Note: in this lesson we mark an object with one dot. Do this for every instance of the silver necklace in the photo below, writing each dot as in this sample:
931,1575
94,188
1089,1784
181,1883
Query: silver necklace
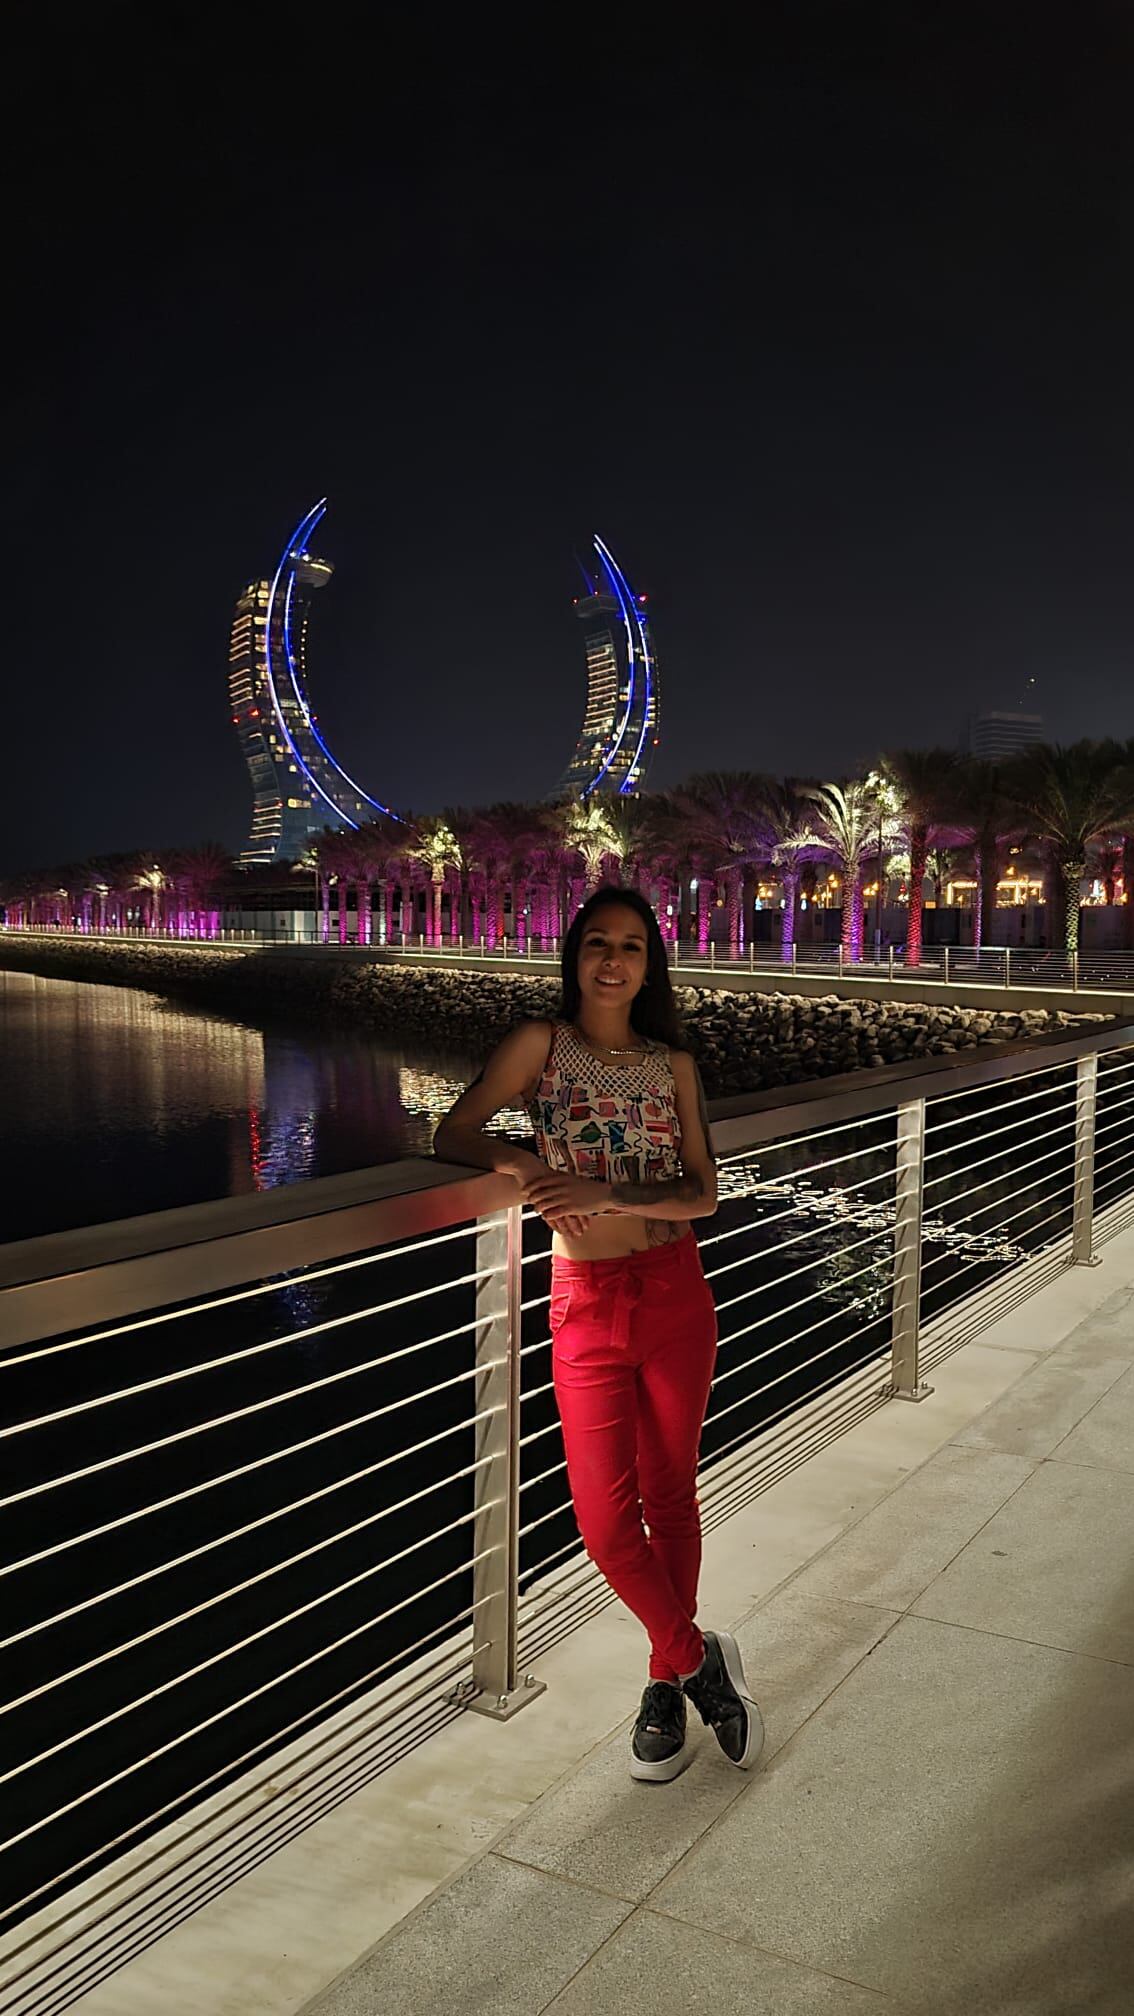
635,1050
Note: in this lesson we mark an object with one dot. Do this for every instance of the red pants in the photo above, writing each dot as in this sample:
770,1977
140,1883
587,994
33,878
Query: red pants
634,1342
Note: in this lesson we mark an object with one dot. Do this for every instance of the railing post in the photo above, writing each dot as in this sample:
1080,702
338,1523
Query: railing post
794,956
712,952
840,958
906,1321
1083,1213
1075,971
752,955
890,961
946,965
496,1527
1007,966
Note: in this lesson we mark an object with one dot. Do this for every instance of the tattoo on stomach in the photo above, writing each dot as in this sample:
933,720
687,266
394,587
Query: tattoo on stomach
662,1231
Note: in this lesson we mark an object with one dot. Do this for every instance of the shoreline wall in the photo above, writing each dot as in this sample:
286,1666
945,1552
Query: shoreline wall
743,1041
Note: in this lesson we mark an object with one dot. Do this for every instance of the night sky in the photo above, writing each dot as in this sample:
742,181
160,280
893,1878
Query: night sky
830,336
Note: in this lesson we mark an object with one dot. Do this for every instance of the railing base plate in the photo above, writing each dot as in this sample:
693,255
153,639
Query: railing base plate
502,1707
920,1392
1095,1260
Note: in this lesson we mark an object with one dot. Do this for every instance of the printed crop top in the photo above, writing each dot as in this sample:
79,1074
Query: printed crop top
615,1122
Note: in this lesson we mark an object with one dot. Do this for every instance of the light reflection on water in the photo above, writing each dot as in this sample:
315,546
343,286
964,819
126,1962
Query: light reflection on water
117,1102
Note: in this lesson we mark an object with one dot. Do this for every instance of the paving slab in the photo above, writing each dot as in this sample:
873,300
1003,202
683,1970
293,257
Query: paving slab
1043,1407
1054,1566
500,1941
660,1968
1105,1333
602,1827
1104,1438
952,1828
897,1550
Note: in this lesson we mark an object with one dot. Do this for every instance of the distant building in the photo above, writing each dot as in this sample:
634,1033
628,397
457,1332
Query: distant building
995,737
620,720
298,788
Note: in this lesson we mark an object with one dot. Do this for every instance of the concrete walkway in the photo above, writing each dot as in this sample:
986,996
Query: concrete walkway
943,1819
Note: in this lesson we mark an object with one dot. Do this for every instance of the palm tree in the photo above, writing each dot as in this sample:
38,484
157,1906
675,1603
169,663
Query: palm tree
1070,798
721,814
923,780
791,843
334,855
588,828
985,818
846,819
438,849
199,874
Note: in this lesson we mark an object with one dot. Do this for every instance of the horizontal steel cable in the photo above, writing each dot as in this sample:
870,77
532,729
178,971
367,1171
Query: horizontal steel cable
990,1260
774,1314
222,1596
242,1414
272,1742
1107,1176
556,1512
718,1476
975,1121
1108,1125
795,1273
245,1470
537,1432
529,1483
771,1351
761,1355
240,1533
275,1286
792,1209
269,1344
821,1222
229,1708
997,1084
1018,1190
1009,1172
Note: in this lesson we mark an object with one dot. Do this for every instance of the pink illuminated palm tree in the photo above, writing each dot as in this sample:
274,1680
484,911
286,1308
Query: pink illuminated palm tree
791,842
846,820
721,811
925,783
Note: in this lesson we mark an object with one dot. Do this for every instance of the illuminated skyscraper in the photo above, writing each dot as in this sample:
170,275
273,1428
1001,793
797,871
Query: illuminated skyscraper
298,788
620,721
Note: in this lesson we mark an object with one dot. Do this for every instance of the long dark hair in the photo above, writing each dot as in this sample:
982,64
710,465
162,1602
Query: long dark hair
653,1011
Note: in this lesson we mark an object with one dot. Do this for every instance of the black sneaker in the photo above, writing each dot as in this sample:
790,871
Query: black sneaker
719,1692
657,1751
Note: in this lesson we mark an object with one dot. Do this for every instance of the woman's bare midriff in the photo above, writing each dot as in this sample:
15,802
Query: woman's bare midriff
612,1238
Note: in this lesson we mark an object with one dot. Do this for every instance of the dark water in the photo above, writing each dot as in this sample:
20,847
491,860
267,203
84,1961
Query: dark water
202,1568
117,1102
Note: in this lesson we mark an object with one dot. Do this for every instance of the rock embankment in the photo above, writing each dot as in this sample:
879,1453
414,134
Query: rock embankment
744,1042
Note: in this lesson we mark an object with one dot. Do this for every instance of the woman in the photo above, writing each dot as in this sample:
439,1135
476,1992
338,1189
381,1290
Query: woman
623,1167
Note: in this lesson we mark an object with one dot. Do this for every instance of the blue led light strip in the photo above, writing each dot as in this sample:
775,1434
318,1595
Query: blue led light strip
614,576
297,683
289,559
640,623
295,543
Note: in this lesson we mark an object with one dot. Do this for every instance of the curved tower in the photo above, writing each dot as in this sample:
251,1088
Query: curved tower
620,722
298,787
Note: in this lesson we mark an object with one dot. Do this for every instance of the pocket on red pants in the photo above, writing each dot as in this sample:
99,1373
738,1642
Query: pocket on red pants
563,1294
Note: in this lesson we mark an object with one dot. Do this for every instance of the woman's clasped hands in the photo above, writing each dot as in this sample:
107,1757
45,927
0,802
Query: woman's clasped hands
564,1200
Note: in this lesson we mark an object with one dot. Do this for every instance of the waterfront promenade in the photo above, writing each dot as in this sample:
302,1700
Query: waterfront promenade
937,1612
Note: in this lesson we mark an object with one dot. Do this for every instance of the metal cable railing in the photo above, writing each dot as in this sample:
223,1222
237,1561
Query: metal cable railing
290,1522
1002,967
